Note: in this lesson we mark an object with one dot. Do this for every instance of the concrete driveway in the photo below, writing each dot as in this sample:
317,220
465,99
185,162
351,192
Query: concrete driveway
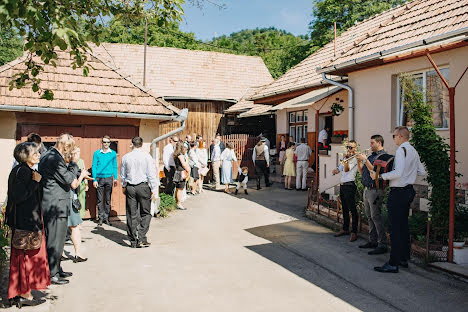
244,253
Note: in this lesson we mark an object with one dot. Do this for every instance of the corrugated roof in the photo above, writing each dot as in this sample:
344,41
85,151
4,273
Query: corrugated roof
105,89
421,20
185,73
413,21
308,98
256,110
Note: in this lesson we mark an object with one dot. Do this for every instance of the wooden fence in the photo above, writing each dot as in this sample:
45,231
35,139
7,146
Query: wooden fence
243,145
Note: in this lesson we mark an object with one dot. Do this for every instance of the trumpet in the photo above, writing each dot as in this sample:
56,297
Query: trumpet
346,160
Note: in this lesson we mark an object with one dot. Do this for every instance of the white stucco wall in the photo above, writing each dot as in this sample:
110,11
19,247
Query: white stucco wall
149,130
374,98
7,145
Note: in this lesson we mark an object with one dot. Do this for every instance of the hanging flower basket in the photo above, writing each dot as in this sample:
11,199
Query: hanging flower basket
336,109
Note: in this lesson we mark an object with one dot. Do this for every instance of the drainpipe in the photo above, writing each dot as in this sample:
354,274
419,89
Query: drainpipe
182,117
350,104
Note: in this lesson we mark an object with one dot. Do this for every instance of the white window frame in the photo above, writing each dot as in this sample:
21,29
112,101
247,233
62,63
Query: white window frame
292,130
291,118
423,73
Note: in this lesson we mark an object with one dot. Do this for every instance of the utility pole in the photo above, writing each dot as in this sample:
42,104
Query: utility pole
144,52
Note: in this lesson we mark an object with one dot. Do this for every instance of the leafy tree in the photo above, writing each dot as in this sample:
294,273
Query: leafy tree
11,45
345,13
69,25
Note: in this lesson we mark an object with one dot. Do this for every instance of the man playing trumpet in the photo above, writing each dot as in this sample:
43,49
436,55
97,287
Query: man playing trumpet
348,188
373,198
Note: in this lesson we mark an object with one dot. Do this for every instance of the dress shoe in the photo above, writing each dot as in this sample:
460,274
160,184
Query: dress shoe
341,233
236,191
65,274
404,263
107,222
21,301
99,223
57,280
298,189
245,192
368,245
387,268
259,188
144,244
63,258
79,259
353,237
378,251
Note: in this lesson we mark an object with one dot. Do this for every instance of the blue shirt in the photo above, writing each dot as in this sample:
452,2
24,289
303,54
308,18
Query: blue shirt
104,164
365,177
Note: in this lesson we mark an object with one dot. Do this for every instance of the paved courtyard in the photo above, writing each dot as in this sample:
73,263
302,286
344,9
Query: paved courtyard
244,253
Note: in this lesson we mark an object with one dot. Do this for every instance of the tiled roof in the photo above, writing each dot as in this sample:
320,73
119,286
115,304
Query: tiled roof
104,89
308,98
185,73
256,110
421,20
404,24
240,106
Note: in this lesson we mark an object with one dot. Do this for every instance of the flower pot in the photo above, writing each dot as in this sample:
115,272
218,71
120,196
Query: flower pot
458,245
336,140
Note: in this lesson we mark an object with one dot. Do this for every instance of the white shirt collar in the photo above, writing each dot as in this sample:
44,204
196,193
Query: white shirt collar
108,151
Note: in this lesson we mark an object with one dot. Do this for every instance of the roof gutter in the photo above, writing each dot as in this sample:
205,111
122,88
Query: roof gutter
181,98
454,35
66,111
350,104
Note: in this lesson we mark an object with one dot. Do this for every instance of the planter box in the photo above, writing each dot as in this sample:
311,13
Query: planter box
336,140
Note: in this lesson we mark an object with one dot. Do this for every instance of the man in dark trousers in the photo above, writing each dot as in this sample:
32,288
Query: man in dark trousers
139,184
169,165
57,175
261,159
407,166
105,175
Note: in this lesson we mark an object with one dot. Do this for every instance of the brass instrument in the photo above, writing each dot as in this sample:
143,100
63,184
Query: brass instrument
346,160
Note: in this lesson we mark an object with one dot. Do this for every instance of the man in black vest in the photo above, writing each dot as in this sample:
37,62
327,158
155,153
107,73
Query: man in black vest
261,159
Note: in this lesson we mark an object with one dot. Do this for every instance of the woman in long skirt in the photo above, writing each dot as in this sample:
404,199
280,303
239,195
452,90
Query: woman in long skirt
227,157
29,269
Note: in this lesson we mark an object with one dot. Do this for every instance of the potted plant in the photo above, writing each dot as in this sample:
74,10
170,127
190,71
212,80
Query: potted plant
338,137
336,108
459,240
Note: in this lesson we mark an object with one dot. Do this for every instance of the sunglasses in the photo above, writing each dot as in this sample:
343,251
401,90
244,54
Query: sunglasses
105,142
393,136
175,141
349,147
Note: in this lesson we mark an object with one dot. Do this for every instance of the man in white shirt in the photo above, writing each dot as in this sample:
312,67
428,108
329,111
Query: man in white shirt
348,192
323,137
140,185
303,153
261,159
216,162
407,166
169,165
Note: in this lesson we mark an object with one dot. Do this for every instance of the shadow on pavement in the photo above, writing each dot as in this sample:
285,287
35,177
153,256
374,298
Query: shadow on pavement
112,235
345,271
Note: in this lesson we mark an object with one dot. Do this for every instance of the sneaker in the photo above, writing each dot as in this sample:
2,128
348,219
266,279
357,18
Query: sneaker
341,233
145,244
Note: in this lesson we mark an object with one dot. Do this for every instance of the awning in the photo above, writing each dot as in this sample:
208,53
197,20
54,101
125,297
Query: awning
308,98
257,110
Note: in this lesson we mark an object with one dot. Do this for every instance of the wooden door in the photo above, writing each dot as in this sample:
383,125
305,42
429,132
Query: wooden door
88,138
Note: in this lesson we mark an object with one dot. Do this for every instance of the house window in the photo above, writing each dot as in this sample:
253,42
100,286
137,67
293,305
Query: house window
436,94
298,125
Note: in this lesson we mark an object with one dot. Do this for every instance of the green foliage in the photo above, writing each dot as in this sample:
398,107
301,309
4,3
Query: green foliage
11,45
278,49
345,13
167,204
434,153
69,25
418,225
3,235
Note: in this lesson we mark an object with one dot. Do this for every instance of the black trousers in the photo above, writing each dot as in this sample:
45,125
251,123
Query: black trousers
398,205
104,192
137,226
262,169
348,202
169,180
55,232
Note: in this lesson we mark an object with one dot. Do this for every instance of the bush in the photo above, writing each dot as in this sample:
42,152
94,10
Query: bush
3,236
167,204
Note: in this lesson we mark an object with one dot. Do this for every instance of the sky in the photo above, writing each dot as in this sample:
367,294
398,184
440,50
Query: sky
211,21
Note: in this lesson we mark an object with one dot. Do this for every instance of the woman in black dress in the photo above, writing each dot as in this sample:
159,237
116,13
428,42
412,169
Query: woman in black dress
182,172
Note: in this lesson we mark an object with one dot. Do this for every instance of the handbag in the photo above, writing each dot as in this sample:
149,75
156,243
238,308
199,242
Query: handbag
180,176
25,239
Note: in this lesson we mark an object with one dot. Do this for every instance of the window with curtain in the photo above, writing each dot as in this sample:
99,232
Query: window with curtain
298,125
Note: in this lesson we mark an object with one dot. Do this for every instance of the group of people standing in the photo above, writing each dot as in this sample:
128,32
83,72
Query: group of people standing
401,176
294,161
46,199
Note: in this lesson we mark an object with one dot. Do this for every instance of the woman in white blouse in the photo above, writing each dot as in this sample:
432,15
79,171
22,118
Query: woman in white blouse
227,157
202,154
